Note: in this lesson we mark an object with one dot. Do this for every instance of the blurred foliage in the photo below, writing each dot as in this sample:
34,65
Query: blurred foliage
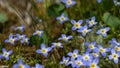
3,18
111,20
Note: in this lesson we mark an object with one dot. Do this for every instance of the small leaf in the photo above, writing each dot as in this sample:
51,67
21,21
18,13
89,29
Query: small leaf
111,20
3,18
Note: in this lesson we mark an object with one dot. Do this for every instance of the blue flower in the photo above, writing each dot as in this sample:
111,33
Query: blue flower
6,53
95,55
94,63
114,42
65,38
79,62
102,50
20,37
65,60
76,25
39,66
57,45
87,57
25,40
11,39
114,56
62,18
84,30
74,54
21,28
103,31
43,50
91,22
39,1
69,3
91,46
99,1
38,32
20,64
71,62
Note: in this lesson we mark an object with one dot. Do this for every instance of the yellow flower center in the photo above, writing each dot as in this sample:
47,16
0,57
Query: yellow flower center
64,38
91,46
79,62
19,28
62,18
25,40
86,58
5,54
57,44
44,50
21,66
93,66
65,61
115,56
102,50
77,25
95,55
20,37
117,48
85,30
11,40
102,31
38,32
68,2
74,55
91,22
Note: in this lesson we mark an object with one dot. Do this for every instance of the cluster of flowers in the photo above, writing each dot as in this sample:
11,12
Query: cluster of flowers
77,25
23,39
92,55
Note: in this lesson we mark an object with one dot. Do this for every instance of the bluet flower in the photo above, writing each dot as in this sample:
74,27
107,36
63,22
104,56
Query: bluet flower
21,28
87,58
38,32
57,45
94,63
6,53
25,40
39,66
69,3
20,37
20,64
11,39
74,54
84,30
114,55
62,18
102,50
103,31
44,51
72,62
65,60
91,46
65,38
79,62
91,22
39,1
76,25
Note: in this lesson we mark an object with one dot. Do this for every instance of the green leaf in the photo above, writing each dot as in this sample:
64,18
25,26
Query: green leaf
111,20
59,7
3,18
55,9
